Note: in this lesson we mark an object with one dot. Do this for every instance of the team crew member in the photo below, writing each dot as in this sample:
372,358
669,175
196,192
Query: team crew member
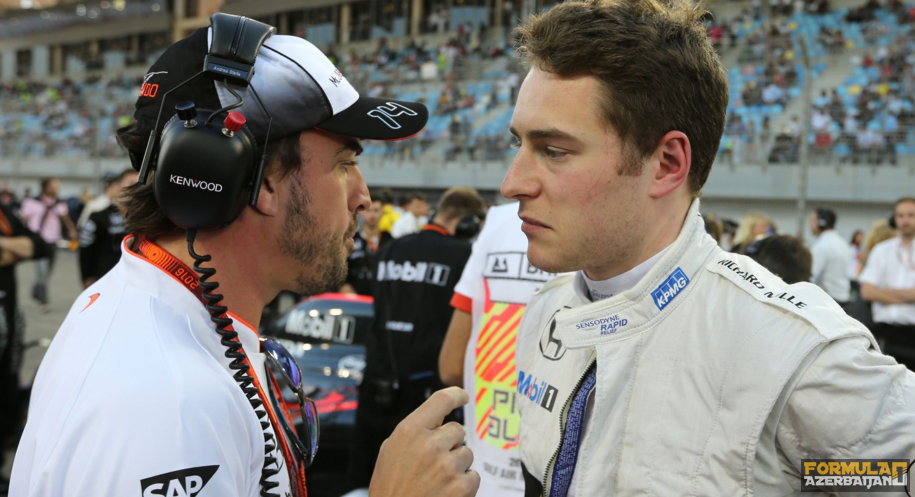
831,257
135,395
367,242
414,282
17,243
888,281
664,365
100,236
45,215
414,217
479,349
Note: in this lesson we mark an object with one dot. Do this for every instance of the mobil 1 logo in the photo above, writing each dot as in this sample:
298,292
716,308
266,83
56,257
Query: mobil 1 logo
182,483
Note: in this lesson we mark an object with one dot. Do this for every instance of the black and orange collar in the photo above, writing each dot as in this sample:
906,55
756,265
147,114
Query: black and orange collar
165,261
436,228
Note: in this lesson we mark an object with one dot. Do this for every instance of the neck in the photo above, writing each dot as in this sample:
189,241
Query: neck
907,240
240,276
662,230
449,225
370,231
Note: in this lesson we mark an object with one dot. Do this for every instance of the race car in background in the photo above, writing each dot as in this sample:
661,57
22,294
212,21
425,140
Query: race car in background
326,335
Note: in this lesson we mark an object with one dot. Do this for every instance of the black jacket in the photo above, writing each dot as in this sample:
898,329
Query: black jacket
100,242
415,278
361,274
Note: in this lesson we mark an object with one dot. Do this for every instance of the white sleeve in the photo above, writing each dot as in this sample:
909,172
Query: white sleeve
873,272
156,447
851,402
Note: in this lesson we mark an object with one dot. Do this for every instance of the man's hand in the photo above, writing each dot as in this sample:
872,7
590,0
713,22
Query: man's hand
424,458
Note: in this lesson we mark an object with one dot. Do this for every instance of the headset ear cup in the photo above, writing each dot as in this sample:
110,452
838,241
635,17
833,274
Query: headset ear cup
203,176
468,227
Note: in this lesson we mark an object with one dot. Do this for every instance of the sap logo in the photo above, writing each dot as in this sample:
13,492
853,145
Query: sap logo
184,483
388,112
538,392
149,90
421,272
670,288
195,183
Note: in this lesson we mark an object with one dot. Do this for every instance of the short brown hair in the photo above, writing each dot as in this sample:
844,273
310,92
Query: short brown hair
142,215
657,70
460,202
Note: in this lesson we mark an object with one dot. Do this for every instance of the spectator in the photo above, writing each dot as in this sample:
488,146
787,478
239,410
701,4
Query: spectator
831,257
773,94
17,243
368,241
888,280
45,215
101,235
755,224
390,213
414,285
784,255
415,216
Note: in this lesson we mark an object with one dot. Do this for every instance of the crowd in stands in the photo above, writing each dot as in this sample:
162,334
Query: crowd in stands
469,83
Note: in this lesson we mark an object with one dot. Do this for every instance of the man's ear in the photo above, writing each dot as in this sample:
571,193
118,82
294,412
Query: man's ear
671,165
268,203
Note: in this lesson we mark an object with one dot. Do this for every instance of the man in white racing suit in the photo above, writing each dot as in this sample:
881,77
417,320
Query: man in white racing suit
665,366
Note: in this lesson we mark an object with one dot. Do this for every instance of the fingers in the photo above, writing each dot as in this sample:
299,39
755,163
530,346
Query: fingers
464,457
470,483
449,436
435,408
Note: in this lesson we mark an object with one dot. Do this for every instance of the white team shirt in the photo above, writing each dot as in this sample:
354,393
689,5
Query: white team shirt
500,281
134,398
891,265
831,257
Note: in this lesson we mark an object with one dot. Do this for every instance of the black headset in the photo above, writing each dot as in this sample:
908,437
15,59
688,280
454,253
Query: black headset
205,163
469,226
206,170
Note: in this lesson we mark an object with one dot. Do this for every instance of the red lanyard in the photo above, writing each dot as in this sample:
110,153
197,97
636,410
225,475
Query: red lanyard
178,270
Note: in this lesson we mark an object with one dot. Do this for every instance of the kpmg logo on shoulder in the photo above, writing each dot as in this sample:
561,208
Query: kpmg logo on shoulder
670,288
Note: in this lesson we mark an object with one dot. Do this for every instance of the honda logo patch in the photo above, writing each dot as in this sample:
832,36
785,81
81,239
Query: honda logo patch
183,483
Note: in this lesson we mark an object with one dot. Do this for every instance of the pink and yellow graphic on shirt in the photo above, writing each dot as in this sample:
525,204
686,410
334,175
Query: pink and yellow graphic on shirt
496,382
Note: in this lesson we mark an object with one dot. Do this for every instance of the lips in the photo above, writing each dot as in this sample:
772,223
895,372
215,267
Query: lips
533,222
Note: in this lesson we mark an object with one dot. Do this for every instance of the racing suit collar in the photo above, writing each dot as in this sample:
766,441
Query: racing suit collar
638,309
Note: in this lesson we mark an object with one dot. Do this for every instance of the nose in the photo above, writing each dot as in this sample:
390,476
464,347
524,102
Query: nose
521,180
360,199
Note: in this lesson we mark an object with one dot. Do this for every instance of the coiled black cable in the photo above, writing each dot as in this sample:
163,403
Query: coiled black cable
229,339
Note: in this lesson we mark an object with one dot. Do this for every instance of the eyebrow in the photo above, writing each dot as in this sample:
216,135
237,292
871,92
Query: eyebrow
351,145
546,134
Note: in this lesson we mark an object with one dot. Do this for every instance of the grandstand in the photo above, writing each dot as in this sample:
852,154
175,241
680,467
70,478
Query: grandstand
839,75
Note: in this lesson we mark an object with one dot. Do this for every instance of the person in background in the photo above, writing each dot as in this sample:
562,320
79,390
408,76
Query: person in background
479,349
857,257
101,234
45,215
367,242
784,255
389,212
414,283
831,257
110,181
755,224
888,281
415,216
17,244
713,227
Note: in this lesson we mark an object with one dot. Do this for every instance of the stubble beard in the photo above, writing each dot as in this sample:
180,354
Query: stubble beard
322,254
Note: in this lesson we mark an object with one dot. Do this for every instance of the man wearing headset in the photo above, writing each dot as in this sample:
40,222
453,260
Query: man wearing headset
136,395
831,257
665,366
